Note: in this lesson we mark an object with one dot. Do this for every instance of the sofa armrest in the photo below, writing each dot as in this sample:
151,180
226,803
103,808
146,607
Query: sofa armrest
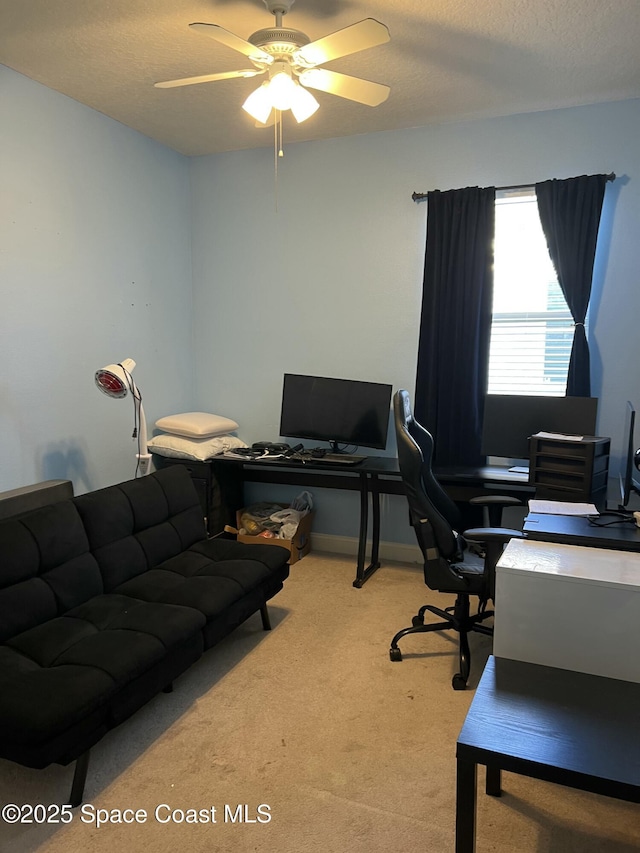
18,501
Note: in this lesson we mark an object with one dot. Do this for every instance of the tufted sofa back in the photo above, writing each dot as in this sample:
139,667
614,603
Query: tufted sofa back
135,526
55,558
46,567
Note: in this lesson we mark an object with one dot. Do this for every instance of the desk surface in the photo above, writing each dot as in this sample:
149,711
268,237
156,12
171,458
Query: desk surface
567,727
577,530
483,474
388,465
369,465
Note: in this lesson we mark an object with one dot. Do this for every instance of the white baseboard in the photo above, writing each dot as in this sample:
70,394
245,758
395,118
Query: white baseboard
395,551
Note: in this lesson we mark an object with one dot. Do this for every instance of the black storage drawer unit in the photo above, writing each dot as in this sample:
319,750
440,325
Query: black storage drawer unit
569,469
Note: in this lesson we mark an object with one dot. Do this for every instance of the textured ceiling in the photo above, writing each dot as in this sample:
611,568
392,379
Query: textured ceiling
447,60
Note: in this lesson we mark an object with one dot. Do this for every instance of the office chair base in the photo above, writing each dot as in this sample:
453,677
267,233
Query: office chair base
455,618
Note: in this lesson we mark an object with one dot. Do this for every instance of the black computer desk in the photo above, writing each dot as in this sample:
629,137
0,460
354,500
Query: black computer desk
577,530
375,476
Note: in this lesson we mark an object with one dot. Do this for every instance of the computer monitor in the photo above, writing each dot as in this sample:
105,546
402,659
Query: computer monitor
627,482
340,411
510,420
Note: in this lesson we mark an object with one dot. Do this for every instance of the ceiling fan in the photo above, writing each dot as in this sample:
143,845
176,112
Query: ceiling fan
292,63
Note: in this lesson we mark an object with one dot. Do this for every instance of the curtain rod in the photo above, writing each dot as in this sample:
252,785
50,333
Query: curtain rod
419,196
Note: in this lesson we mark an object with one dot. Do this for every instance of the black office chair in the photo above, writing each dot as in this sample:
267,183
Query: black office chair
450,566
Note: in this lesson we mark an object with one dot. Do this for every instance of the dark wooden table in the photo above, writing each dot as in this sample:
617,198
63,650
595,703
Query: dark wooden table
566,727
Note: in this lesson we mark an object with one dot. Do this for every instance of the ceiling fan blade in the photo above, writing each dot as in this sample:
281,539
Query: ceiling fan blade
233,41
364,34
345,86
207,78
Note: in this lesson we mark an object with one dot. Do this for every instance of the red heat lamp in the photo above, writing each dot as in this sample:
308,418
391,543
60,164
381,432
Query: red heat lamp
115,381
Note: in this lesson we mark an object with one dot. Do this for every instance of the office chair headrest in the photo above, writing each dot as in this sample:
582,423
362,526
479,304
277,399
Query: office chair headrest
426,497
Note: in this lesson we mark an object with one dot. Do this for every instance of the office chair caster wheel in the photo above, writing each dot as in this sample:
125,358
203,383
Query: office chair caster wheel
395,654
459,682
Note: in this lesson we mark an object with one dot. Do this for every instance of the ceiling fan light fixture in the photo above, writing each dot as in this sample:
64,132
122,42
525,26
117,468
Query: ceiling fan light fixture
281,87
303,104
281,93
258,104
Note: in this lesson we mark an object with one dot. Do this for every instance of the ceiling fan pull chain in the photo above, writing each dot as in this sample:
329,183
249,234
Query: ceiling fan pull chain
275,161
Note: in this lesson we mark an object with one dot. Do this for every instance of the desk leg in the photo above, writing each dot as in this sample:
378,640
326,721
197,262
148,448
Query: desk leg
493,785
375,534
364,524
466,785
368,484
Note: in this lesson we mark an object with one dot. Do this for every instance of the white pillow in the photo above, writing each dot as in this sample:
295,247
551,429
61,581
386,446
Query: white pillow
196,424
198,449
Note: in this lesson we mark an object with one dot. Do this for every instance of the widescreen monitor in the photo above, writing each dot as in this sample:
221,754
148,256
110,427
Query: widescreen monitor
340,411
510,420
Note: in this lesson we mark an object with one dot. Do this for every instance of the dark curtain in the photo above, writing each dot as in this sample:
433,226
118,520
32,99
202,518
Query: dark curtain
455,324
570,214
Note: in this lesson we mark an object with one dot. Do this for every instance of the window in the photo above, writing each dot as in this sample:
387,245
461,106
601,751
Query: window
532,327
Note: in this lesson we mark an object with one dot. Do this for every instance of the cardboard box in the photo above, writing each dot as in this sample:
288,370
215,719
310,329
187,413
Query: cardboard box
298,547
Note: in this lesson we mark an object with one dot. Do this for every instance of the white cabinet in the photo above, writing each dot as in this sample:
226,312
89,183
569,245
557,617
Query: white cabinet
570,607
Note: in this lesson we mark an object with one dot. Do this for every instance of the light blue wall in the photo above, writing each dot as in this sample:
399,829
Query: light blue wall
330,281
95,267
320,274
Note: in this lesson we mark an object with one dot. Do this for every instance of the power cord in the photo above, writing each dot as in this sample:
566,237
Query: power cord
135,393
620,517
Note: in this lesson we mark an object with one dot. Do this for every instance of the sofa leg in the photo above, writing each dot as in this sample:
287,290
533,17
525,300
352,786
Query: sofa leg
79,778
266,622
168,688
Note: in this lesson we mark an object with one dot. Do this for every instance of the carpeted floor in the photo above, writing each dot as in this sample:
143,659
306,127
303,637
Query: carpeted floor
324,744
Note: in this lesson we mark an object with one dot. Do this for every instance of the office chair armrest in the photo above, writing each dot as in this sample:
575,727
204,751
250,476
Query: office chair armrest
492,534
492,540
492,506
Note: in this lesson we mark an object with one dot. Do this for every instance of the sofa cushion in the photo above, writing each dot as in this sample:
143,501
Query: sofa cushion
272,556
211,576
46,567
55,674
37,703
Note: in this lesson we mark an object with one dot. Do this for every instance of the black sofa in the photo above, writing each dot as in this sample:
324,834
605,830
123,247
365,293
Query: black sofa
105,599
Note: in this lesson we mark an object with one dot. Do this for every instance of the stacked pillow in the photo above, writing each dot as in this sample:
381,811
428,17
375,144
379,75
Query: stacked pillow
194,435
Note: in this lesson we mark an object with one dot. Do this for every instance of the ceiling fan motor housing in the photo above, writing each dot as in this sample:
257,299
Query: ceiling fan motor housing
278,40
